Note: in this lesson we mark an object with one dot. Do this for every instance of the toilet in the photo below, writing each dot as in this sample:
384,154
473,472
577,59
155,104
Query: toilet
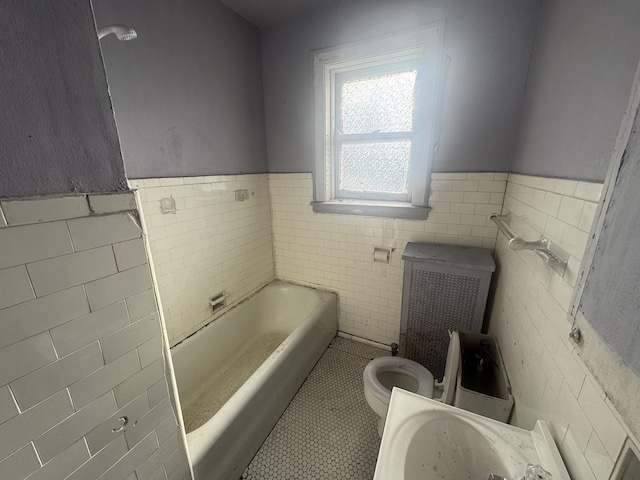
383,373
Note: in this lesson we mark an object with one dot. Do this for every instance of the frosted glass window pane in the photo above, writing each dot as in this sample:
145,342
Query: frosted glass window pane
381,167
383,103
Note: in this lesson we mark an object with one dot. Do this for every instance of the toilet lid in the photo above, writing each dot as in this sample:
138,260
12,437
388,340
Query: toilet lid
451,369
396,364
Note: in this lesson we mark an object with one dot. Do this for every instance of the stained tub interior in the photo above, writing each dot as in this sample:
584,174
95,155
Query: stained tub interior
224,381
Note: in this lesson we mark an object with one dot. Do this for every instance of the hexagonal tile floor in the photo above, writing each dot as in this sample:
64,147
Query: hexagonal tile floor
328,432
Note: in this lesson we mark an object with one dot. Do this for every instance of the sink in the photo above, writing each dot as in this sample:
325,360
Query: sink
428,440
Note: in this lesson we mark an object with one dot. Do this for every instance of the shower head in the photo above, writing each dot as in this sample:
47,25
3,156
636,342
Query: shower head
121,31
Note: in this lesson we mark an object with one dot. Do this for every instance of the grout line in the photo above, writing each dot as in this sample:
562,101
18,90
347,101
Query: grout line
15,401
73,404
353,354
33,445
55,350
363,341
33,290
89,206
73,247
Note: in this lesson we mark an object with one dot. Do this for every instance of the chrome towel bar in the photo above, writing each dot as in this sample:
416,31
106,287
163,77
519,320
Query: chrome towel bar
550,253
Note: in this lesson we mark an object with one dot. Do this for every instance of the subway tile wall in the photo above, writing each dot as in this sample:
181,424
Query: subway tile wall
529,318
210,243
81,345
336,251
213,242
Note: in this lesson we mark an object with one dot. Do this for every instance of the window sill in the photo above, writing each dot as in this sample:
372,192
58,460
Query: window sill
372,209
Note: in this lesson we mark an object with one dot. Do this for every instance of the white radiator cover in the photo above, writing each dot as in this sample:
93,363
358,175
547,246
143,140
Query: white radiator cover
445,289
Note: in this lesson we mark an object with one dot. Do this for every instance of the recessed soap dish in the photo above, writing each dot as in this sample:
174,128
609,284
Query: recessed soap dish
628,464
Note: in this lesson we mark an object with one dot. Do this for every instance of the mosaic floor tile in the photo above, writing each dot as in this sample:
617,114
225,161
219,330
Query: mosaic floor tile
328,432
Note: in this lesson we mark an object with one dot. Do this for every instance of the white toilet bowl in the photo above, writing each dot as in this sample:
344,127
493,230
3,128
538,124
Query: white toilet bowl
383,373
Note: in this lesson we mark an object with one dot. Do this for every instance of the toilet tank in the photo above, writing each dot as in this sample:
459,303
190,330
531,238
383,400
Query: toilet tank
445,289
482,389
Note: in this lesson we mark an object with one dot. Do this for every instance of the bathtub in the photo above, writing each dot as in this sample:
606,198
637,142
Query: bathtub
237,375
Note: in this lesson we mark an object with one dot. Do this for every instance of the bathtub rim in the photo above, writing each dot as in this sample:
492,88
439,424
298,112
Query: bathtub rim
250,295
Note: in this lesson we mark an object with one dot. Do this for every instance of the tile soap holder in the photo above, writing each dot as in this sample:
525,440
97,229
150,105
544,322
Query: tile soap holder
167,205
244,194
218,301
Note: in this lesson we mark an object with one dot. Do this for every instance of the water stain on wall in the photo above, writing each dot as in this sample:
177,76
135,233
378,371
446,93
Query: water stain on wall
174,143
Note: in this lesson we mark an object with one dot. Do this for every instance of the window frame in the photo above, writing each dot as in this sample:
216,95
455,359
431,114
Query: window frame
423,47
339,138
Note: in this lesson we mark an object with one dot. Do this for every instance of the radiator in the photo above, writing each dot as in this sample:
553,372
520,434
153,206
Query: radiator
445,289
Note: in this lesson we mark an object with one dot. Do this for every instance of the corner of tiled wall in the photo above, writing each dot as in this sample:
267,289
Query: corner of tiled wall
336,251
81,345
211,242
530,319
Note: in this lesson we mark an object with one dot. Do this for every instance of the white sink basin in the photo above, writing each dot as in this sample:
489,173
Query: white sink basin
428,440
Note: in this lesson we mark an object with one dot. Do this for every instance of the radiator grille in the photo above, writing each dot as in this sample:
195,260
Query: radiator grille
438,302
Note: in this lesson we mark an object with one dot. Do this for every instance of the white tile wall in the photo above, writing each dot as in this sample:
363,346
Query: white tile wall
44,382
529,318
21,463
130,254
60,273
117,202
29,318
101,435
15,287
336,251
101,461
80,334
107,290
211,243
92,232
34,242
8,408
44,209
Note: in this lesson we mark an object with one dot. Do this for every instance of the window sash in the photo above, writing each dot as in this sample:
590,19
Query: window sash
370,72
365,139
338,139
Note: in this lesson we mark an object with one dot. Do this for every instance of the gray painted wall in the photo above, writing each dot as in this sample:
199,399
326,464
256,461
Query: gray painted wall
585,58
57,131
611,298
188,91
489,45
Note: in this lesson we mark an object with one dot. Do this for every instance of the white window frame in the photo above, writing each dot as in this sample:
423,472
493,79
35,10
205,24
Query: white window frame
424,46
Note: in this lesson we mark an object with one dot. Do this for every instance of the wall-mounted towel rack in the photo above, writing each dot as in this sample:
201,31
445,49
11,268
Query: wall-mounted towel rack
550,253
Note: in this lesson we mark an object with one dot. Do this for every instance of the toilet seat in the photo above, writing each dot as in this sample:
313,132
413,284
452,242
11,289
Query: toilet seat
378,395
423,377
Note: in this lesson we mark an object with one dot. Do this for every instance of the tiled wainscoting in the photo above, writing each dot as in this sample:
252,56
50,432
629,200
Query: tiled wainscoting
336,251
529,318
210,243
213,242
81,345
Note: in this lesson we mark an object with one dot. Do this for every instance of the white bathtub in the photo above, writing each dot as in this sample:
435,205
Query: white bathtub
225,360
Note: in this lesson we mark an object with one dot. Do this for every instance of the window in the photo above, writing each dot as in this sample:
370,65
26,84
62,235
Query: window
375,122
373,133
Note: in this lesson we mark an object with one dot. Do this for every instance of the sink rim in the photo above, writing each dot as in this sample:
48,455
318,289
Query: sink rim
408,413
